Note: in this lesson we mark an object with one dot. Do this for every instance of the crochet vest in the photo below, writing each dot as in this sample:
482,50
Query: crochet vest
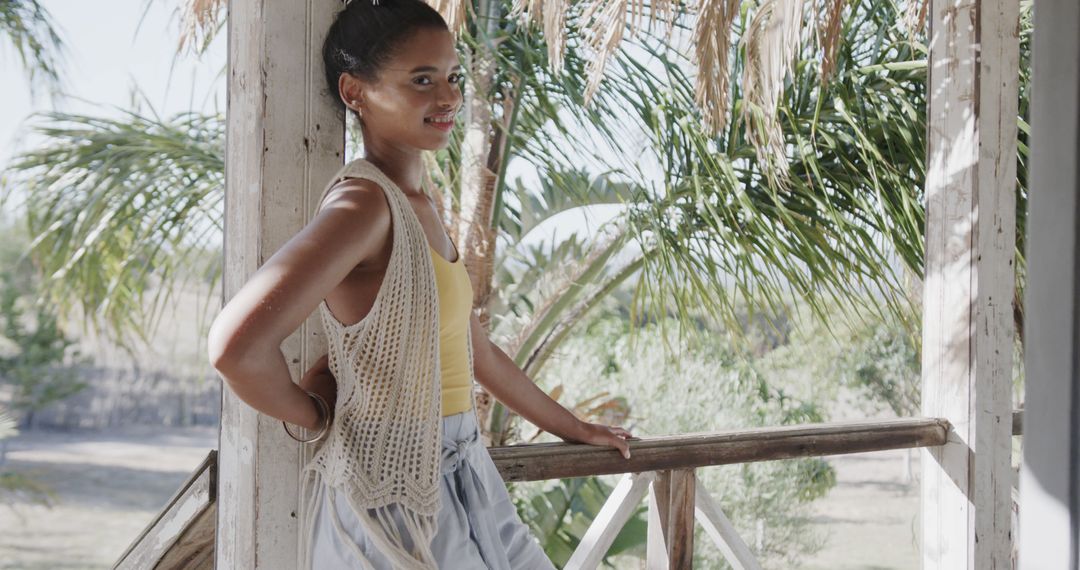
383,450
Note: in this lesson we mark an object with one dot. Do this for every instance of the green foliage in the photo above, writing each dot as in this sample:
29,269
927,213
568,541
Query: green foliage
119,208
36,357
876,359
715,386
29,28
560,511
883,362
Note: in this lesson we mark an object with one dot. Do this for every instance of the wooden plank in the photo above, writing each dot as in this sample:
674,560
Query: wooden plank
190,501
195,548
727,539
681,519
284,140
656,551
968,330
618,509
1050,473
541,461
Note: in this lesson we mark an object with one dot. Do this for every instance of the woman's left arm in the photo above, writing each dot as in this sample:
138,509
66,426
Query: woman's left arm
504,380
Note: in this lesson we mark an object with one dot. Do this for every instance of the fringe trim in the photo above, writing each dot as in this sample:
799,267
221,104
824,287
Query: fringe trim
381,528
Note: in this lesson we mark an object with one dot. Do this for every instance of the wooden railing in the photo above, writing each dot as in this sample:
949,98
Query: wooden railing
662,468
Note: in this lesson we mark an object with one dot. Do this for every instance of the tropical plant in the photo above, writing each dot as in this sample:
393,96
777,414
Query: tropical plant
714,231
815,201
811,191
835,227
119,208
560,511
37,359
29,27
713,386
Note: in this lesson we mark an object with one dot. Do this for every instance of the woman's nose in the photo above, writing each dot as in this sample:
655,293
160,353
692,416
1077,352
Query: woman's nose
450,96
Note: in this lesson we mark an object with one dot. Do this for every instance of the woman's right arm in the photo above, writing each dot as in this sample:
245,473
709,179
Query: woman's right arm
244,342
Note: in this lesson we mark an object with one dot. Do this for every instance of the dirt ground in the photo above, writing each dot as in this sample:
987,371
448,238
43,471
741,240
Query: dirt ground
110,484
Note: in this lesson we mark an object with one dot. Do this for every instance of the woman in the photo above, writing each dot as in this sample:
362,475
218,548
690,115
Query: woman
400,479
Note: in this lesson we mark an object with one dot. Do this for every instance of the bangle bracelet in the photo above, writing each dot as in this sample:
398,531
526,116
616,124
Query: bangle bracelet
324,414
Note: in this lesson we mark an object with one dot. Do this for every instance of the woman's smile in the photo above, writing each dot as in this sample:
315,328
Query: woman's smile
442,122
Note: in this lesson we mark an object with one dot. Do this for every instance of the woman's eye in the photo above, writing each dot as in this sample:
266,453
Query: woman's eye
460,78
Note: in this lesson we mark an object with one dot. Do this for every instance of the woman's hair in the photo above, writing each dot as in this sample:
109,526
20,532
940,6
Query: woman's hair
365,35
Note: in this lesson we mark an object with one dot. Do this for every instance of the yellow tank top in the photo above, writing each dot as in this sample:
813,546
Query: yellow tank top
455,307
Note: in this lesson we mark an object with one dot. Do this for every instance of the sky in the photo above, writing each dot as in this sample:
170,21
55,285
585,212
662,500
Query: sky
108,55
113,51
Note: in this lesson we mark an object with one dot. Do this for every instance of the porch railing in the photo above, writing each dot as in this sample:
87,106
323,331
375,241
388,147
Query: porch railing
662,468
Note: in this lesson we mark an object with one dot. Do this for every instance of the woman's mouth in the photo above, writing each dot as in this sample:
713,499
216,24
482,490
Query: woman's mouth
442,123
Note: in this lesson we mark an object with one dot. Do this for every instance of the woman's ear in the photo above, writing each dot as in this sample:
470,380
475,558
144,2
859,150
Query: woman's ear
350,89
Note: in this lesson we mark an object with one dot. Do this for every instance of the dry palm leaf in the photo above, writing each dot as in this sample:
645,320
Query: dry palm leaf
603,22
712,33
830,40
199,22
453,11
550,15
771,42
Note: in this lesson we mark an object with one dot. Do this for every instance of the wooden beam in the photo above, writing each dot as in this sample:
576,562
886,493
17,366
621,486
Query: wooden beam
968,333
535,462
168,529
723,533
1050,473
195,548
656,550
680,534
618,509
284,140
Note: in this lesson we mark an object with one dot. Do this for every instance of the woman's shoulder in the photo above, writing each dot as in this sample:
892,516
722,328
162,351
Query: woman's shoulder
352,192
354,213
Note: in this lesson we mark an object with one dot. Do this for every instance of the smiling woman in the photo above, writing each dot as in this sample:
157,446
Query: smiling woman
400,478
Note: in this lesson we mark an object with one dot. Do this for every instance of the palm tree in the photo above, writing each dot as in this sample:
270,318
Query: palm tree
794,170
812,190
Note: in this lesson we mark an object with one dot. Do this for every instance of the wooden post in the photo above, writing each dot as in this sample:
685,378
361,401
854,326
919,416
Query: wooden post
968,330
656,549
1050,476
680,531
284,141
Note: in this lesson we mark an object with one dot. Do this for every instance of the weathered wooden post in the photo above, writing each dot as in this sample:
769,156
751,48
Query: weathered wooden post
1050,477
284,140
968,330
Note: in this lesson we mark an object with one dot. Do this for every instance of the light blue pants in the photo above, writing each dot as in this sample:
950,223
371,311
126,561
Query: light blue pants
478,526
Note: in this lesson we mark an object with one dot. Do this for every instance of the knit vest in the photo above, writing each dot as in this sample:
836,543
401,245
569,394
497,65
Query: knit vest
383,450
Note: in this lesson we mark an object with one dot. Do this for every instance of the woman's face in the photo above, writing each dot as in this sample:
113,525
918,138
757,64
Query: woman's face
421,81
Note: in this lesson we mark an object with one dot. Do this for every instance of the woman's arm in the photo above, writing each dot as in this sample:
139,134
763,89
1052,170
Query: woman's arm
504,380
320,380
244,343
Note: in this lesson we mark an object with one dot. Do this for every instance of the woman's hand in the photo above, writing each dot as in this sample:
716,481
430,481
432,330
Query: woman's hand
320,380
600,434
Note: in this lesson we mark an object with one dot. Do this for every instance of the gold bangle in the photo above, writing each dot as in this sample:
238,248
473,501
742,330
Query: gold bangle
324,413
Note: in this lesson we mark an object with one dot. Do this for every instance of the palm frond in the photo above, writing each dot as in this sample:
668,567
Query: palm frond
200,22
120,207
712,40
29,27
